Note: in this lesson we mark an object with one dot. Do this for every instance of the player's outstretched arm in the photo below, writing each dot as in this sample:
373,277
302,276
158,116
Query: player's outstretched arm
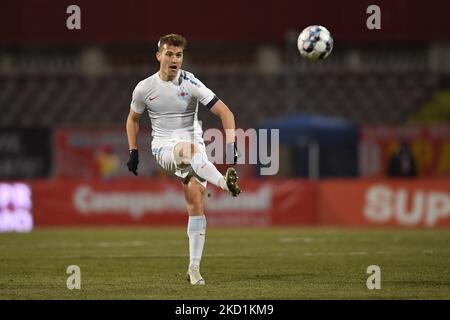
221,110
132,127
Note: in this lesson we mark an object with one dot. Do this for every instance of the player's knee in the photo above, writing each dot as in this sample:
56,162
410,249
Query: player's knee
184,152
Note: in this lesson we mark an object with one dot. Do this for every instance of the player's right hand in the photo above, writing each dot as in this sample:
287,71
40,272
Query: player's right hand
133,161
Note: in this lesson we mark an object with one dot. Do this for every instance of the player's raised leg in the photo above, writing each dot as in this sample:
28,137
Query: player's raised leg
194,194
187,153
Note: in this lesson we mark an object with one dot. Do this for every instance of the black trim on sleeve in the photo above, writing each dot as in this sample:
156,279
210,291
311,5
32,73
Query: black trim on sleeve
212,102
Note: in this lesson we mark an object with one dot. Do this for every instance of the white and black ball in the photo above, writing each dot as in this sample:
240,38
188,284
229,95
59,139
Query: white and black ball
315,43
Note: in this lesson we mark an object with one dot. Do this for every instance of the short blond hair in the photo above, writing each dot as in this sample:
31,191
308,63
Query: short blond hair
172,39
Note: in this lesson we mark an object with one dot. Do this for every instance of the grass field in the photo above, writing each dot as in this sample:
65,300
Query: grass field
238,264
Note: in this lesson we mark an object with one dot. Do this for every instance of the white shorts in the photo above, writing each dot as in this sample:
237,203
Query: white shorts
164,155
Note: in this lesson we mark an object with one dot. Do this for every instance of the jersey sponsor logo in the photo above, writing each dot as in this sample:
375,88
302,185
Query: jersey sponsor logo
152,98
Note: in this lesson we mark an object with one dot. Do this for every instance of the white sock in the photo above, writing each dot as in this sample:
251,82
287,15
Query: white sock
205,169
196,231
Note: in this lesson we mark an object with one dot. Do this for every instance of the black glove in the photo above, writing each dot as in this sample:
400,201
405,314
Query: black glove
133,162
232,153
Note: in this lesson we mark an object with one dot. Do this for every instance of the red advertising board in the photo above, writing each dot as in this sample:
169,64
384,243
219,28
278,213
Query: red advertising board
381,203
97,153
429,145
415,203
161,202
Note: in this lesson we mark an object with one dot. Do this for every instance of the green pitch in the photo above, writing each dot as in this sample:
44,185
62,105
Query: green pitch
237,264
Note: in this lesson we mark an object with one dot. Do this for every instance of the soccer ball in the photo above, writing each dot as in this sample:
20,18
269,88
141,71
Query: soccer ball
315,43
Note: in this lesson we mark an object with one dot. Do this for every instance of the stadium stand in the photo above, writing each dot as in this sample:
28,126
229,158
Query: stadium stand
380,87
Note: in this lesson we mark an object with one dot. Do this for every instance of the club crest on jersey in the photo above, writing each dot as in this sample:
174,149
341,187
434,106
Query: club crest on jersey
182,94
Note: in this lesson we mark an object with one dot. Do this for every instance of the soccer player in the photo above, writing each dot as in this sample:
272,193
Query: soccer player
171,97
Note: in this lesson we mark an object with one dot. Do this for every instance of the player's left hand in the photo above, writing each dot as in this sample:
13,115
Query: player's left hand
133,161
232,153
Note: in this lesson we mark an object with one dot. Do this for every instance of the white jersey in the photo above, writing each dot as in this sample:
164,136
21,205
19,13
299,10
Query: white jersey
172,105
